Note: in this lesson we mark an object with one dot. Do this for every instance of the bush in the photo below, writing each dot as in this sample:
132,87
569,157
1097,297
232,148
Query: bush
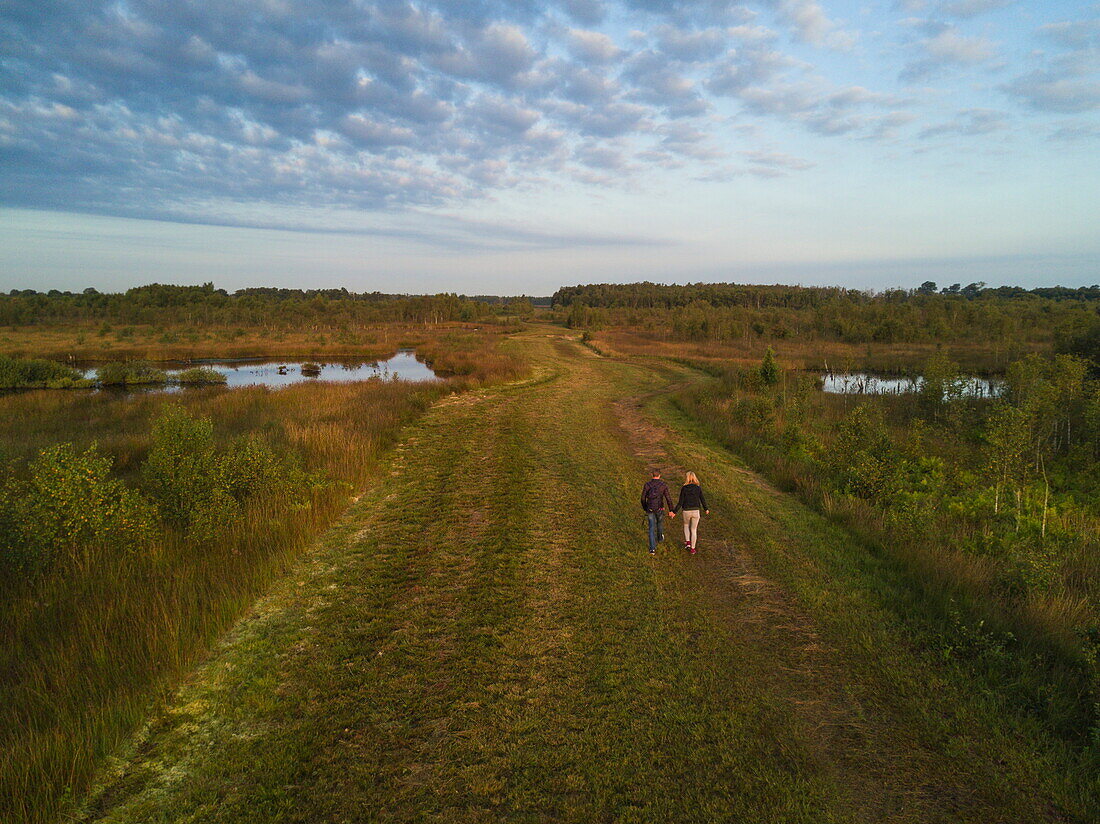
199,491
17,373
769,368
251,469
199,375
129,373
180,473
67,505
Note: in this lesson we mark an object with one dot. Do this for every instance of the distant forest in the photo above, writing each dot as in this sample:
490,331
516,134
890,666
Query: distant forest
159,304
1068,318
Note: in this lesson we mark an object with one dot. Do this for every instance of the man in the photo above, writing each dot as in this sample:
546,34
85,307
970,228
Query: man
655,502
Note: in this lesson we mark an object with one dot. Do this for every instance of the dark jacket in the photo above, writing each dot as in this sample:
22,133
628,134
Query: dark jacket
655,496
691,497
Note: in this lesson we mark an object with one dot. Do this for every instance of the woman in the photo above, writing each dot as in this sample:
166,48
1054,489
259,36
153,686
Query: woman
691,501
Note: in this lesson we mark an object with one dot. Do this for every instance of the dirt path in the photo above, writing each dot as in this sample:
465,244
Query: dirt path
484,638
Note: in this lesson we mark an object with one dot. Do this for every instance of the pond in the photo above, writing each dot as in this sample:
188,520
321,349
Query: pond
276,373
865,383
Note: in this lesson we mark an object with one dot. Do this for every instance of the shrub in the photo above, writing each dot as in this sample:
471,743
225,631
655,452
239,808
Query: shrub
180,473
17,373
769,368
129,373
199,491
251,469
199,375
66,505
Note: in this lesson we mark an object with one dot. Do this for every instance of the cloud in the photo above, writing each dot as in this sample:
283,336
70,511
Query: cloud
1066,82
393,104
968,122
1077,34
1058,89
690,45
812,25
777,160
973,8
593,46
947,48
1076,130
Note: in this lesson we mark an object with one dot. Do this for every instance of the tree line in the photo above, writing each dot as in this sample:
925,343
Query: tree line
264,306
1067,317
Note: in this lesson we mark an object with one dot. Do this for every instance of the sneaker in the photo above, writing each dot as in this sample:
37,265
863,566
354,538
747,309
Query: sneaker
652,552
687,545
693,550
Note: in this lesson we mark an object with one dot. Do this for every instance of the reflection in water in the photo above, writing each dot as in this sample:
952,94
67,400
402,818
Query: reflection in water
864,383
402,366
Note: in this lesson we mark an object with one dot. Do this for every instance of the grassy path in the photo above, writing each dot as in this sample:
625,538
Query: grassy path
485,639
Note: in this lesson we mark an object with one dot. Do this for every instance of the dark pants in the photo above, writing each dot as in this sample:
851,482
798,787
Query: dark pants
656,528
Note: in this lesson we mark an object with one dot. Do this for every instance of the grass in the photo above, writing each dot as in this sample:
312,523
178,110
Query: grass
483,638
88,653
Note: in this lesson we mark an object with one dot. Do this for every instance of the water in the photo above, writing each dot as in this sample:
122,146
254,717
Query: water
864,383
274,374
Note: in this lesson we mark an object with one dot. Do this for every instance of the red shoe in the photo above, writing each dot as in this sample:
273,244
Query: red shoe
692,550
687,545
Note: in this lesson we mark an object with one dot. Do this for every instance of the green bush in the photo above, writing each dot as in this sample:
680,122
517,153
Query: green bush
251,469
180,473
198,489
18,373
199,375
129,373
769,368
67,504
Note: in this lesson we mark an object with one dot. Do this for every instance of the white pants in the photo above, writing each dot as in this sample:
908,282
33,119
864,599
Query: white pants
691,525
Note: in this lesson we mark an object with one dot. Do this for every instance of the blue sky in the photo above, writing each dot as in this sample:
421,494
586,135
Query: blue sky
490,146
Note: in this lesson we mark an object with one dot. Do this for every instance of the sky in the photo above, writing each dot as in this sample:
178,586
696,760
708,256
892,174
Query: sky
493,147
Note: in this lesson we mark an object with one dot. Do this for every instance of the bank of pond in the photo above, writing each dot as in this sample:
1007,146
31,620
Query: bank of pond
19,373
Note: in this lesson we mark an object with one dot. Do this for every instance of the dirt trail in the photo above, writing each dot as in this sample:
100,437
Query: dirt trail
484,638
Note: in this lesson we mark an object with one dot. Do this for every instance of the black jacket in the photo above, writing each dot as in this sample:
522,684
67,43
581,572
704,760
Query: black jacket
655,496
691,497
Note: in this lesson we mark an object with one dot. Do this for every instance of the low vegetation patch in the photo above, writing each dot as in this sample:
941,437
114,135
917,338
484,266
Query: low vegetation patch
198,375
23,373
130,373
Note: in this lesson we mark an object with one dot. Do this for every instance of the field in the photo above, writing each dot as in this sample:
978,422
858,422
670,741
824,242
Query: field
481,635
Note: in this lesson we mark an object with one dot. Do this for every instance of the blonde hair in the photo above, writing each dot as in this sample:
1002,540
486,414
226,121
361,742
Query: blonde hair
691,478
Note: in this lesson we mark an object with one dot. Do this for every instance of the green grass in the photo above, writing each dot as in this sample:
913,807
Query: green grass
483,637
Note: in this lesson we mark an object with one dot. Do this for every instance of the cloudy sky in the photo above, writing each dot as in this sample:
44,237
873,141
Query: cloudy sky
494,146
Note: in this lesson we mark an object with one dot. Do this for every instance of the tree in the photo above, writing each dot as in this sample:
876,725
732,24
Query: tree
1008,439
927,288
769,368
941,386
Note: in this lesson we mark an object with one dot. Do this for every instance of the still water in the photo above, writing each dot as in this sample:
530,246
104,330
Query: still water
259,372
863,383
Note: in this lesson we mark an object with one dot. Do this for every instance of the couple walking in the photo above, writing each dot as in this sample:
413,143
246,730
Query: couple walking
655,496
